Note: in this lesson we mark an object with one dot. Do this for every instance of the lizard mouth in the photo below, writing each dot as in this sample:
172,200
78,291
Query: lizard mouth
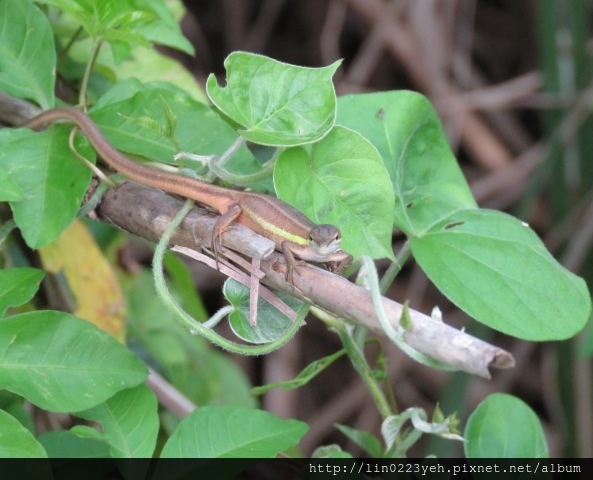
326,248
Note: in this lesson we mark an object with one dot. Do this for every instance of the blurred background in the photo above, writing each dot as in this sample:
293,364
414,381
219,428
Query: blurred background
511,81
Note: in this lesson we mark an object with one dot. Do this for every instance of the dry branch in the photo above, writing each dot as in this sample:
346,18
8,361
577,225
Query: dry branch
146,212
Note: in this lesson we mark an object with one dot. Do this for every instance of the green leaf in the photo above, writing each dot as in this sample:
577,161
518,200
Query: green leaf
17,286
137,22
365,440
14,405
122,39
181,278
504,427
276,103
331,451
155,66
164,28
218,431
304,377
86,431
126,89
84,13
127,22
9,190
129,421
150,323
496,269
66,444
198,129
27,53
426,178
97,17
342,181
271,323
16,441
52,179
49,355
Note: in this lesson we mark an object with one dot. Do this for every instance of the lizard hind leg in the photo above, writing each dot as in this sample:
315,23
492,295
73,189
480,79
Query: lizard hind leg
223,224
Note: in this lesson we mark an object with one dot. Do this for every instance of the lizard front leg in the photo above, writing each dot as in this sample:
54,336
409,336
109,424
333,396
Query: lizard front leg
335,261
338,262
223,224
288,250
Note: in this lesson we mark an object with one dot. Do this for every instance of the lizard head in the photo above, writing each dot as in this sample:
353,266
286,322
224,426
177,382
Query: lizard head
325,239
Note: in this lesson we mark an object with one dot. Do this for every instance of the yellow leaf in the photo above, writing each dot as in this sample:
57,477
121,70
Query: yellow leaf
90,278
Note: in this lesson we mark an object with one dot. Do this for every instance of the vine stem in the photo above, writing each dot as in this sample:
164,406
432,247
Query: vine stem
362,367
87,73
395,267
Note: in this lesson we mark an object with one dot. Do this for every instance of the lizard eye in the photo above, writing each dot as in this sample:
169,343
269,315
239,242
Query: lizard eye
333,234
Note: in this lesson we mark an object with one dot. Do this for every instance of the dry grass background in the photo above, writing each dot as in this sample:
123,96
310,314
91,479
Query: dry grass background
484,66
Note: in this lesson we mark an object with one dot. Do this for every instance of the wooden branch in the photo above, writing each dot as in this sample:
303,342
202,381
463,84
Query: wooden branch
146,212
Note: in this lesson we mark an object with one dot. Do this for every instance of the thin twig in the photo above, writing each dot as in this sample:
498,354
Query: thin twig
168,396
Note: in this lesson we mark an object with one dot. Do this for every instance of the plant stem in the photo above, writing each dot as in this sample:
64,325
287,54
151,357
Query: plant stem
359,361
87,73
395,267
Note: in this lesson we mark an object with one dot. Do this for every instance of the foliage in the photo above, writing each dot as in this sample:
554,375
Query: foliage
492,427
367,163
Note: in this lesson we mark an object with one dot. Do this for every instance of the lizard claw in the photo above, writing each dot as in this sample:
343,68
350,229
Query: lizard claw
216,245
223,223
339,265
290,267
